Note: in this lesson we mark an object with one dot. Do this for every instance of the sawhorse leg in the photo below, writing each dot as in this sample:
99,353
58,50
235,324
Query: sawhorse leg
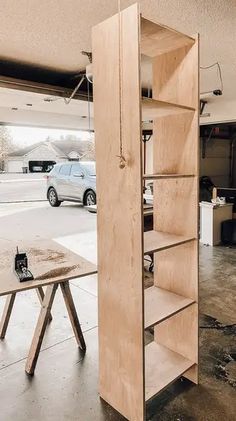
43,320
40,293
40,328
6,314
66,292
8,310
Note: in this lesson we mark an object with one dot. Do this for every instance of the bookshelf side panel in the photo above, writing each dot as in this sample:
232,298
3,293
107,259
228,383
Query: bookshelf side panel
119,202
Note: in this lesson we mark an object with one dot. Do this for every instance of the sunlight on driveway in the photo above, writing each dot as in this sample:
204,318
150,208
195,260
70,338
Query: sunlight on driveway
12,208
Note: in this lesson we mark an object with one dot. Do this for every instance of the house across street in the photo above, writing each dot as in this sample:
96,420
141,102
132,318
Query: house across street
41,156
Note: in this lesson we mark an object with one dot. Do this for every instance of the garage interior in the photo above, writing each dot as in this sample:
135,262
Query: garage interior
44,55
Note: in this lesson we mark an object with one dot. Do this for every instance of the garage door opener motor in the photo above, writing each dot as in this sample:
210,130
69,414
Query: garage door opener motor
21,267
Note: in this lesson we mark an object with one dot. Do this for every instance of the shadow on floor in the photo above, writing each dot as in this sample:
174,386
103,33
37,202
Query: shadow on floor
65,383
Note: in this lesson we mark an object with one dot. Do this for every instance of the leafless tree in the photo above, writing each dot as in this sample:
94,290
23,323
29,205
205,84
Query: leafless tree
89,153
6,145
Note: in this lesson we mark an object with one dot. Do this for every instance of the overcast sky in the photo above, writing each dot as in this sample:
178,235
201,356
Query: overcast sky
29,135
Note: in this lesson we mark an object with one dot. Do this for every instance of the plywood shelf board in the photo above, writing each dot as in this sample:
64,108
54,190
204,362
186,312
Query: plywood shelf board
153,108
147,209
162,367
161,304
163,176
148,212
158,39
156,241
147,206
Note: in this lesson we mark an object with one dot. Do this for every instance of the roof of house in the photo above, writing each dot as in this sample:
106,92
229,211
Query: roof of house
25,150
75,145
65,147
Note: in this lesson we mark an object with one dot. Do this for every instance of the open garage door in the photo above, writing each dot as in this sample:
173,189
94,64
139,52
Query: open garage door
41,166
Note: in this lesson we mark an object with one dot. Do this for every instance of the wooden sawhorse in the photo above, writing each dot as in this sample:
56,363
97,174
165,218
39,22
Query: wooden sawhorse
42,278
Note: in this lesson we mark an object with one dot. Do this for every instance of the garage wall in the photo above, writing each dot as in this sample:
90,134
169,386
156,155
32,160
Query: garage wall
216,163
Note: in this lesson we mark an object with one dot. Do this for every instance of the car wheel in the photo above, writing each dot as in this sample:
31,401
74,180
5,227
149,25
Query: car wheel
52,198
90,198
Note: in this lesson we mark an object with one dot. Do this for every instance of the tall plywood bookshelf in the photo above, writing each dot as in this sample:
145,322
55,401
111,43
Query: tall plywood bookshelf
130,372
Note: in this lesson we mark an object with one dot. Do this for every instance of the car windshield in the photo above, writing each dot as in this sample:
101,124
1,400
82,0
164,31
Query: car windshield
90,167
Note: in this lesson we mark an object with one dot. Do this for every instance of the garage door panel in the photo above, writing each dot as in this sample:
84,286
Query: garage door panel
14,166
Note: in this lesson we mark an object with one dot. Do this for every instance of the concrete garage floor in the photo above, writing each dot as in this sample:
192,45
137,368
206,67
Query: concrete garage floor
65,383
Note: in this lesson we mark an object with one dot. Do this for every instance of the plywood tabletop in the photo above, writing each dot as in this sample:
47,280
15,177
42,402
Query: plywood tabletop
47,260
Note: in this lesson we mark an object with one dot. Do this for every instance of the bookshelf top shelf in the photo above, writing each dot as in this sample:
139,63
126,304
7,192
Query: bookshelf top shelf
152,108
156,241
157,39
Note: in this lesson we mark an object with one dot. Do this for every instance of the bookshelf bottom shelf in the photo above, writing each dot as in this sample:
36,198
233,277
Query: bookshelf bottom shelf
162,367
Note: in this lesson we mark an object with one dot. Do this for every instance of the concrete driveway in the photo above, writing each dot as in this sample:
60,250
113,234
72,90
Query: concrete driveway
38,220
26,214
22,187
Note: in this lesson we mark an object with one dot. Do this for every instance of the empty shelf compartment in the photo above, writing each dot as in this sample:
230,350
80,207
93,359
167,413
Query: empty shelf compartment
156,241
162,367
161,304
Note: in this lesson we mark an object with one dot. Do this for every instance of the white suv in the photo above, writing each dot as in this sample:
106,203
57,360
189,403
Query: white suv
72,181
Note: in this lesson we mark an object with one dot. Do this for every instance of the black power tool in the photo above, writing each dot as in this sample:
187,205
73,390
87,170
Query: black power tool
21,267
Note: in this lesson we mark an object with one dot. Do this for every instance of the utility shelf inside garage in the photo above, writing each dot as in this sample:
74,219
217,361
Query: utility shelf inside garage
153,108
160,304
171,306
156,241
162,367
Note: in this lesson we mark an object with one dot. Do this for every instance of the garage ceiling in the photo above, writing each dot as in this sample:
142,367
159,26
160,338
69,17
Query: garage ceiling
51,34
40,110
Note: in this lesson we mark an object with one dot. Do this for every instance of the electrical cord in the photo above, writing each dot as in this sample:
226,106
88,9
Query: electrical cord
67,100
89,110
219,73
